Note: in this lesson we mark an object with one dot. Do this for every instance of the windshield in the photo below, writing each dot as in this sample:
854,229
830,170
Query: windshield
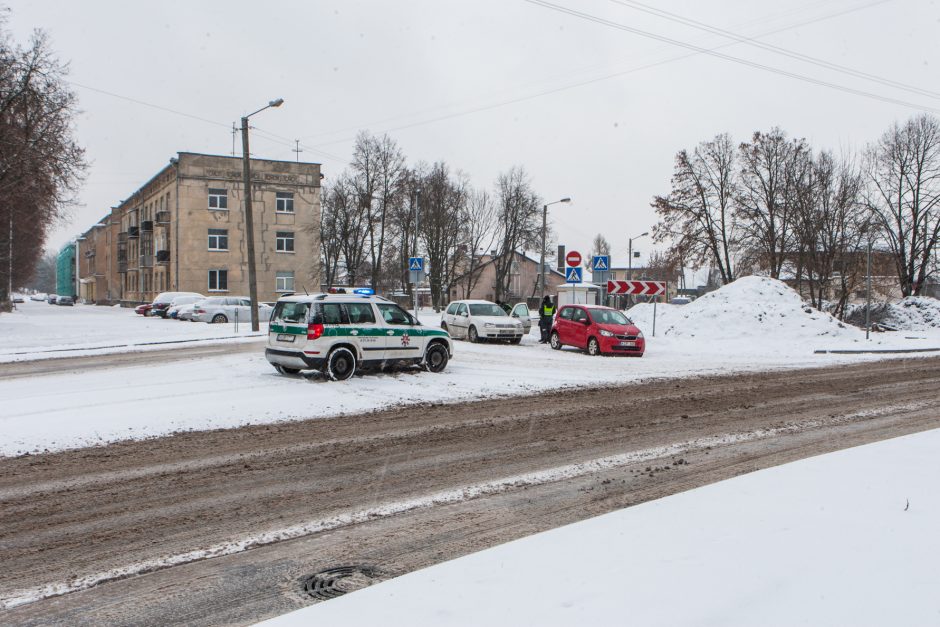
486,309
609,316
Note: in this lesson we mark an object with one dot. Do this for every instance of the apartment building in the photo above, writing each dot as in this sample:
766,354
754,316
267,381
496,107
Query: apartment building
184,230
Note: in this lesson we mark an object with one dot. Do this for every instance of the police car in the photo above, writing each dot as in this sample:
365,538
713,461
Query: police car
341,333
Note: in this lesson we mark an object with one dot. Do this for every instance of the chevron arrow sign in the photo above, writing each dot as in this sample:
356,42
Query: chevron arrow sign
644,288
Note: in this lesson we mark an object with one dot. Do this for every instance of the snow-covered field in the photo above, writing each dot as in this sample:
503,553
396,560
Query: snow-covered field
104,405
37,330
847,538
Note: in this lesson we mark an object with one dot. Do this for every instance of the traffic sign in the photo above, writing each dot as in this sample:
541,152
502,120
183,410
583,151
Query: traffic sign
644,288
573,258
416,264
573,274
600,263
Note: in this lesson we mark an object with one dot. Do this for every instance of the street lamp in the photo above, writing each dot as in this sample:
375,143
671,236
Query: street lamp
544,229
630,256
249,221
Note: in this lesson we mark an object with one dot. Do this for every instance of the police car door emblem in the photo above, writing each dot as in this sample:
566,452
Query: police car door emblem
405,339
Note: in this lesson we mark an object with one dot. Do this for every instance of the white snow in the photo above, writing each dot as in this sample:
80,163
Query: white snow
74,409
824,541
912,313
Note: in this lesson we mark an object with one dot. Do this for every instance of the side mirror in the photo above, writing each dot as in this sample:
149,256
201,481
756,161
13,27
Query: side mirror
586,322
515,315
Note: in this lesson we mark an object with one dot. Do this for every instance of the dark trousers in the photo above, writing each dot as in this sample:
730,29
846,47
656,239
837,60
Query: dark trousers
545,327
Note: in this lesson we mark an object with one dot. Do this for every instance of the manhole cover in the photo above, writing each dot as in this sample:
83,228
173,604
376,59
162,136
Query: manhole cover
334,582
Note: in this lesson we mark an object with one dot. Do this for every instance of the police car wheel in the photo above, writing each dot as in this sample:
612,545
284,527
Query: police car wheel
436,358
472,335
555,341
341,364
594,348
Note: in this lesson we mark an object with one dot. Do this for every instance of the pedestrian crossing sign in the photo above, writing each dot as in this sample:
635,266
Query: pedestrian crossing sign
416,264
573,275
600,263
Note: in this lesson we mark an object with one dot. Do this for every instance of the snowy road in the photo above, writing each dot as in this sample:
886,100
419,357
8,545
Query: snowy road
400,489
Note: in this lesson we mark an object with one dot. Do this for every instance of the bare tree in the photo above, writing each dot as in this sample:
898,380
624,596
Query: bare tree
518,224
344,231
697,217
41,165
771,166
599,246
478,234
903,169
443,201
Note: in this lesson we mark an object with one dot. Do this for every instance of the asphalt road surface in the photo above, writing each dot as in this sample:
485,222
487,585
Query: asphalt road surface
120,534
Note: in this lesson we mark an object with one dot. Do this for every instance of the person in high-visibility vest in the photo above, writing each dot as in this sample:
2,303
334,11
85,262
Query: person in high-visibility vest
546,312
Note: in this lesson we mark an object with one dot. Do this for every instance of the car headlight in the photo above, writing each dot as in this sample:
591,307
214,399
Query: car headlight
606,333
489,325
639,334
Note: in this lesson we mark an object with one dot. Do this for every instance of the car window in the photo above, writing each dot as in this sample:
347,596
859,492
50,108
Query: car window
452,309
245,302
291,312
578,314
566,313
609,316
360,313
486,309
393,314
521,310
461,309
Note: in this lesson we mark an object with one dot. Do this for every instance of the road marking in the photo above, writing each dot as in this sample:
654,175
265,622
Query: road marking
444,497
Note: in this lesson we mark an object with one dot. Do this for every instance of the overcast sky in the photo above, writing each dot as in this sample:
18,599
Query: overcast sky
590,110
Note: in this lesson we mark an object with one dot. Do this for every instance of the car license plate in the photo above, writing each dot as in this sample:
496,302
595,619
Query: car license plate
628,343
285,337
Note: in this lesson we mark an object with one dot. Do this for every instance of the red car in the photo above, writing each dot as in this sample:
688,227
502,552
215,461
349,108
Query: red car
143,310
598,330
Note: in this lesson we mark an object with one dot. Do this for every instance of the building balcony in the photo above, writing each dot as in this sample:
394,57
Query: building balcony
146,261
163,217
163,257
146,225
133,232
122,266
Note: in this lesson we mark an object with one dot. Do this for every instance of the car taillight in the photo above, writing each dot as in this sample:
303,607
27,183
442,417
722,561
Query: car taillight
197,310
314,331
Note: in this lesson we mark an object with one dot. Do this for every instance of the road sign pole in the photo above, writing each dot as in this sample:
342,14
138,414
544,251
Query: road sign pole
654,317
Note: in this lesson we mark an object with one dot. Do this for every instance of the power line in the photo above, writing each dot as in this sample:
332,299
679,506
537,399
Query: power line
753,64
776,49
591,81
147,104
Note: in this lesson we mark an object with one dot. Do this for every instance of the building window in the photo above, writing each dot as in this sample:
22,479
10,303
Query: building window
218,280
284,282
285,202
218,198
285,242
218,239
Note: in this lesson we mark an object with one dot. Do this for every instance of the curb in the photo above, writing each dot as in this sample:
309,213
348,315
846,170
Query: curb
875,351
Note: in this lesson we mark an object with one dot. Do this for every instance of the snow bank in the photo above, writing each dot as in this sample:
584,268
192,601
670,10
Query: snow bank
749,308
913,313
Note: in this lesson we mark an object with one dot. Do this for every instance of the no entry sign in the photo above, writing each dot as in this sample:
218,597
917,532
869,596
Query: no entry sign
645,288
573,258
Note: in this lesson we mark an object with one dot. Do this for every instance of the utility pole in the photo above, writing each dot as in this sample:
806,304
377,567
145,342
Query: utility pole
249,219
868,296
297,149
417,225
544,230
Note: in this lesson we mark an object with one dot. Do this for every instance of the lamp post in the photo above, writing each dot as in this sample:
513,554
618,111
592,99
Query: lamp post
544,229
630,256
249,221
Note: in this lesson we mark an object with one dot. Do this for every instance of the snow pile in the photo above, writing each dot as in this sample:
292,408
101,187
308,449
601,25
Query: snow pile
751,307
913,313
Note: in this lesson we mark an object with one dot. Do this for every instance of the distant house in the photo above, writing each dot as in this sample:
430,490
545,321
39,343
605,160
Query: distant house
523,280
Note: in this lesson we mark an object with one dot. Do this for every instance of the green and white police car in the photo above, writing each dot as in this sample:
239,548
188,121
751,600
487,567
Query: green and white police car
341,333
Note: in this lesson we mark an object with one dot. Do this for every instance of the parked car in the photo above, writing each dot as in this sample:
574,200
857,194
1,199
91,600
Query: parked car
177,302
165,300
598,330
223,308
341,333
65,300
143,310
18,299
184,312
680,300
478,320
39,297
52,298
